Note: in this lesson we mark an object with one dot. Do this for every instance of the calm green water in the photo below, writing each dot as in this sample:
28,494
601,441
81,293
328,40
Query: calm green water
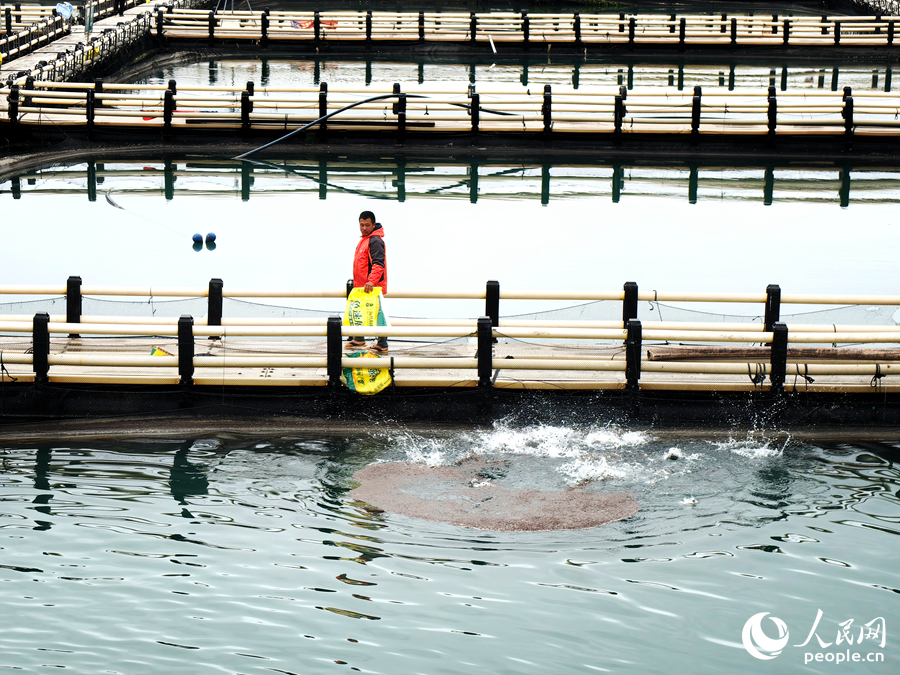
229,556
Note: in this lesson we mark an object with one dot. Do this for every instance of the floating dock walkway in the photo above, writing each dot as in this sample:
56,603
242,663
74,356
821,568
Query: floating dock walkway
74,364
493,32
410,113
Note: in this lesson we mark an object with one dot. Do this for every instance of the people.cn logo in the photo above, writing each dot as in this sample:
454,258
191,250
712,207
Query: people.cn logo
757,643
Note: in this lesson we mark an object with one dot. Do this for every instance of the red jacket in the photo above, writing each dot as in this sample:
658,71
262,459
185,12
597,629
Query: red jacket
370,261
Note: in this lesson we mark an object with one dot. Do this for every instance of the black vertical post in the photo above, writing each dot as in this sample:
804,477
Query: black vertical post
92,181
401,177
731,77
186,349
473,27
617,180
73,301
8,21
773,111
887,79
245,111
682,31
724,22
169,179
323,106
695,110
733,31
778,359
211,20
672,18
632,24
633,349
214,306
577,28
890,34
847,112
475,109
333,350
618,114
246,180
317,26
98,89
526,28
421,26
545,184
769,186
786,38
160,25
621,22
547,109
264,26
168,109
13,100
824,21
773,306
349,287
837,32
485,352
368,25
492,302
630,302
40,347
844,191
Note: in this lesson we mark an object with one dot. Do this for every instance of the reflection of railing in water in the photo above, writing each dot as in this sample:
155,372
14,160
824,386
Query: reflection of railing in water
531,354
400,179
561,71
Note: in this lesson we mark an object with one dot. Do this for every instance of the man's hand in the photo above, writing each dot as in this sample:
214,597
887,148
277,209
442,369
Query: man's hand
369,287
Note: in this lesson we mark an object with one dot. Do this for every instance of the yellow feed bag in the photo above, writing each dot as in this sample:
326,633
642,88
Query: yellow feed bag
364,310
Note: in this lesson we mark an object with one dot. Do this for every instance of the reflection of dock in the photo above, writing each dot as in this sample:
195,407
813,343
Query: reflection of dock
96,365
476,179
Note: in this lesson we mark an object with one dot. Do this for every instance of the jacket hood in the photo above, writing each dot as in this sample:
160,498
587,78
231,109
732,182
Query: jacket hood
377,232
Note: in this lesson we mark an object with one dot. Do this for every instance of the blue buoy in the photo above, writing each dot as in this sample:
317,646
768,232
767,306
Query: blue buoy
198,238
210,237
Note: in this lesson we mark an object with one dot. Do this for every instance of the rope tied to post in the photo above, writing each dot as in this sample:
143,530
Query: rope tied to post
804,375
759,376
876,378
4,373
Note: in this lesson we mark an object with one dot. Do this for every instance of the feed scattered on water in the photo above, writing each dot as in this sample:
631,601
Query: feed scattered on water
466,496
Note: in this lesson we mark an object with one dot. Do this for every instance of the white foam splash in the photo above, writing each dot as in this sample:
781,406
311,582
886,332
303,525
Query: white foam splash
750,449
673,454
591,468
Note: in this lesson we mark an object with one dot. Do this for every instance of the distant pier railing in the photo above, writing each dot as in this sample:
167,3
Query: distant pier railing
524,28
21,39
767,355
50,107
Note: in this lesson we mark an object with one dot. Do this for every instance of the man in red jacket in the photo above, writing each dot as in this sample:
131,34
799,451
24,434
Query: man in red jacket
370,269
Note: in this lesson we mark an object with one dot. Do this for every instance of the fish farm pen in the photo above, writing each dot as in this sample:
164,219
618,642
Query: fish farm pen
235,354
